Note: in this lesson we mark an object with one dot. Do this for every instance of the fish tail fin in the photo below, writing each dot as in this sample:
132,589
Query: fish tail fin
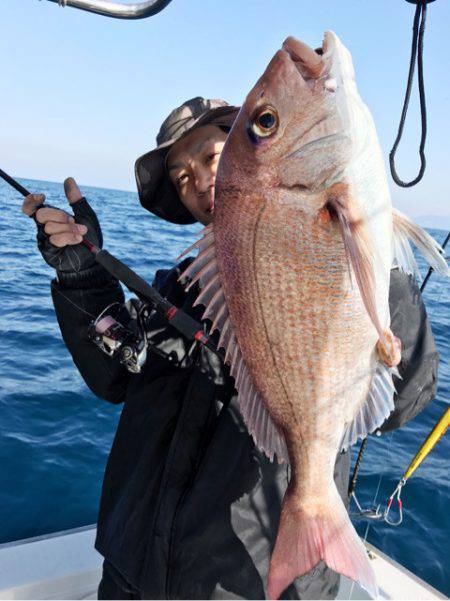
308,535
404,230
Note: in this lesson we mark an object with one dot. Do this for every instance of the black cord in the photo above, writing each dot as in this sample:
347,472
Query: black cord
430,271
416,49
354,478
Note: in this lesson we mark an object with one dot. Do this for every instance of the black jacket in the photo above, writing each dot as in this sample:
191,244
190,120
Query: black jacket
189,506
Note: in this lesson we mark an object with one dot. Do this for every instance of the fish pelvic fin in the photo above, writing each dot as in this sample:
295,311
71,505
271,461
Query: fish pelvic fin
405,230
358,247
309,534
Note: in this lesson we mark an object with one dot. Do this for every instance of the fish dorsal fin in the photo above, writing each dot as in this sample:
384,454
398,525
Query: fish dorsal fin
375,409
403,258
204,270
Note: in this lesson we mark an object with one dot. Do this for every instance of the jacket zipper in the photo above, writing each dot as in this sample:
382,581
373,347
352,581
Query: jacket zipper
206,440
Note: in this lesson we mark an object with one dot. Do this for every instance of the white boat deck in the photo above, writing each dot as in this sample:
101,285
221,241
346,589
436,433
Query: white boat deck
65,565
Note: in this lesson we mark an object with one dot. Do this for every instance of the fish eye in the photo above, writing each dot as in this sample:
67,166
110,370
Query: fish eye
265,122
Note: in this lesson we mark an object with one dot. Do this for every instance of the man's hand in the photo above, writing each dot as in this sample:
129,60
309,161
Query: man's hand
59,225
60,234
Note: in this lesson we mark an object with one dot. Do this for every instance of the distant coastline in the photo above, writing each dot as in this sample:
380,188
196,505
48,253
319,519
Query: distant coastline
81,184
437,222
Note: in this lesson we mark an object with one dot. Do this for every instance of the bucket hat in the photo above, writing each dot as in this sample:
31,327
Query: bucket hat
156,191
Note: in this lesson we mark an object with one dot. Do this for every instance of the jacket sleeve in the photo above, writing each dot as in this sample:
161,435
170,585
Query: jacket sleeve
78,299
419,364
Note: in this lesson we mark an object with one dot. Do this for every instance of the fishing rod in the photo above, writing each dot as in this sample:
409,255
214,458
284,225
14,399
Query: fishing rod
15,184
117,10
180,320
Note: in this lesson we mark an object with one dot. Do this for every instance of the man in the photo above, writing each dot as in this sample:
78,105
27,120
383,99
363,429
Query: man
189,506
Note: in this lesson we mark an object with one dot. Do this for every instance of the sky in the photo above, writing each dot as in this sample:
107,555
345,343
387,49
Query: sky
84,95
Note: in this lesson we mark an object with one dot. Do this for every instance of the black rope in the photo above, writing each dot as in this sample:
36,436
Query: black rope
416,49
354,478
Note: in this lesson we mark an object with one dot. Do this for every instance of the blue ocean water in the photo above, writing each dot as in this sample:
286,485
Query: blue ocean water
55,434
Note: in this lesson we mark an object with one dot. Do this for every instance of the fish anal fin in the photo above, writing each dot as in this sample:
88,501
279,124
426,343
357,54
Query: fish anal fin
358,248
375,409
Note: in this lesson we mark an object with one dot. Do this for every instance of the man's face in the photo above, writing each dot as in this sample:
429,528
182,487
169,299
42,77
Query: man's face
192,165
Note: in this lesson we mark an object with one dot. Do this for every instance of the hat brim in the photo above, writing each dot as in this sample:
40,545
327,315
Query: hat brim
156,192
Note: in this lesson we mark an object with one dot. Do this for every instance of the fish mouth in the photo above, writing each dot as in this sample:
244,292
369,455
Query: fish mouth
310,63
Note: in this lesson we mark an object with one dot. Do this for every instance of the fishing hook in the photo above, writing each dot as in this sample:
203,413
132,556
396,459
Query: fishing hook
367,514
396,494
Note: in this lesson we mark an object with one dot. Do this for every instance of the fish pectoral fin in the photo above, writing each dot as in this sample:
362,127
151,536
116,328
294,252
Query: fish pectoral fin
344,209
307,535
403,258
204,269
375,409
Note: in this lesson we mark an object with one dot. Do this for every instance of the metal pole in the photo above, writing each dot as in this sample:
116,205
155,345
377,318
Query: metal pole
117,10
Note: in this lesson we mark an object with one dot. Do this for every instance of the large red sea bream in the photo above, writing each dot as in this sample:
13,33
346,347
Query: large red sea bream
294,272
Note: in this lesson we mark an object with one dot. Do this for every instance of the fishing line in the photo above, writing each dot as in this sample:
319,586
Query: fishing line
375,513
74,304
383,473
380,479
353,581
